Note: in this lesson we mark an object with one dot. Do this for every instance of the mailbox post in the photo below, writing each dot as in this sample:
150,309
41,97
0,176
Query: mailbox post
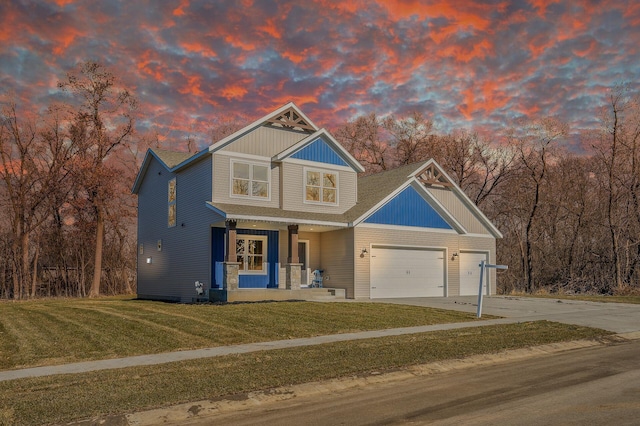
483,267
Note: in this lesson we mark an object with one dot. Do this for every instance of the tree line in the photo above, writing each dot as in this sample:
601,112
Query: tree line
570,220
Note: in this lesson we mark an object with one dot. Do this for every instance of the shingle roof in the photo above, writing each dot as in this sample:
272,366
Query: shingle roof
371,190
172,158
374,188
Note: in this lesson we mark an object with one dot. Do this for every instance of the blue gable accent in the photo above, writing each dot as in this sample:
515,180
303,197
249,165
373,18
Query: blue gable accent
408,208
320,152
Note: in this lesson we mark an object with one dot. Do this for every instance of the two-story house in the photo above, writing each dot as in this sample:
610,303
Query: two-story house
253,216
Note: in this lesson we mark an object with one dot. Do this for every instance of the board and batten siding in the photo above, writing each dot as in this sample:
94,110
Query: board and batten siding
459,210
265,141
293,188
185,255
366,236
337,259
222,183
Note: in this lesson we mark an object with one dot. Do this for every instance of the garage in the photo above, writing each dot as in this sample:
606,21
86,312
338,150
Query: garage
470,273
407,272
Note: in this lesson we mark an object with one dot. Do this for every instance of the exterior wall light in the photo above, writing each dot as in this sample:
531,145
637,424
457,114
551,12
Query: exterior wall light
149,260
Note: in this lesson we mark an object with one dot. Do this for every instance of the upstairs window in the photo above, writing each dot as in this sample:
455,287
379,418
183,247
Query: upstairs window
321,186
249,180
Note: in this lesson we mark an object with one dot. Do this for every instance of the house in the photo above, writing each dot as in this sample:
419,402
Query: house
253,216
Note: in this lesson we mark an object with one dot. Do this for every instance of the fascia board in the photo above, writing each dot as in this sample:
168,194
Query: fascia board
381,203
259,122
467,201
442,210
189,160
329,138
143,169
215,209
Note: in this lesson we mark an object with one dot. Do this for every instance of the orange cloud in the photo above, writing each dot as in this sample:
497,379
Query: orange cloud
64,38
197,47
234,92
270,28
179,11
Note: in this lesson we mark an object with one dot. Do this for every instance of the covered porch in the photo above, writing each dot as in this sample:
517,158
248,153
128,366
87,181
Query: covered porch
254,260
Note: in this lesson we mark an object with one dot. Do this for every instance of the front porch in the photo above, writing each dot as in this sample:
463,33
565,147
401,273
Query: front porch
268,294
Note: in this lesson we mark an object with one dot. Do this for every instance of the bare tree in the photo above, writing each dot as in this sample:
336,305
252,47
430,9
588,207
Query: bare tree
103,121
362,137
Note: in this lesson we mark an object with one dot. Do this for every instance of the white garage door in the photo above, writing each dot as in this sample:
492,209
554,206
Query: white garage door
470,273
400,272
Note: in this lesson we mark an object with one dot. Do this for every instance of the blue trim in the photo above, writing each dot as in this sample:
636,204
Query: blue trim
408,208
217,255
319,151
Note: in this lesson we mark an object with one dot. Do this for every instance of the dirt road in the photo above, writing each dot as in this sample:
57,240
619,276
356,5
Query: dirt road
595,386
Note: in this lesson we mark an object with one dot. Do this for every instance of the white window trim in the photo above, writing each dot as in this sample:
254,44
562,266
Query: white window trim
305,170
265,249
251,164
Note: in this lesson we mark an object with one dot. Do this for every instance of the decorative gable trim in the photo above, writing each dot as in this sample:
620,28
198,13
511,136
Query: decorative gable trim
287,116
291,118
433,175
329,142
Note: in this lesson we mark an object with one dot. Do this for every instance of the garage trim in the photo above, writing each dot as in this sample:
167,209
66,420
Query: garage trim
487,280
443,250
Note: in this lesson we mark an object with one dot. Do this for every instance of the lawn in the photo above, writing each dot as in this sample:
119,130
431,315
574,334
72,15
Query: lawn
48,332
60,399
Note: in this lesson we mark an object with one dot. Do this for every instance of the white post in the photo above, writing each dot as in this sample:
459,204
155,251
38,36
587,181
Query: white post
482,268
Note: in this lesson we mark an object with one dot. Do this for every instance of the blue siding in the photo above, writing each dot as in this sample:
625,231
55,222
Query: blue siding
320,152
269,280
185,255
408,209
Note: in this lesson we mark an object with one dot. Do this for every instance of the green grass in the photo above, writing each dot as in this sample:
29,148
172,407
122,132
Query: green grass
59,399
588,298
49,332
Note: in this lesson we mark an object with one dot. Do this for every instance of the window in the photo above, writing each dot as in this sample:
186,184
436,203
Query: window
172,203
251,251
249,180
321,187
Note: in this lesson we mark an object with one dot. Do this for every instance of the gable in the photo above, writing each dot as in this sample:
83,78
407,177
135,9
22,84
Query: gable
408,208
319,151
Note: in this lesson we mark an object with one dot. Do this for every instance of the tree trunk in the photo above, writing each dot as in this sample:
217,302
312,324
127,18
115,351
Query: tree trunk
97,268
34,277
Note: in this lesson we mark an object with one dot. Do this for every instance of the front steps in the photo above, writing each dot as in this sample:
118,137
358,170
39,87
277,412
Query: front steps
263,294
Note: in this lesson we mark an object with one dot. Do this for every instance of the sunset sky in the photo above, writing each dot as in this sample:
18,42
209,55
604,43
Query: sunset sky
477,65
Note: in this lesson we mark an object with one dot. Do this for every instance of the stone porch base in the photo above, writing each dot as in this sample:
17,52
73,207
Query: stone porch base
262,294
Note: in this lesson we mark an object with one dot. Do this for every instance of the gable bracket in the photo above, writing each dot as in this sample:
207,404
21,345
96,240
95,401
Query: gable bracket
290,119
431,176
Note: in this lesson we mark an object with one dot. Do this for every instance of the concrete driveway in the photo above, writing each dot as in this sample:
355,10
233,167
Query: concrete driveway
616,317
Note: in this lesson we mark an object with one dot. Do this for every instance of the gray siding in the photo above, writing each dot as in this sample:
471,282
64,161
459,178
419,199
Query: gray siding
459,210
293,191
185,255
366,236
265,141
222,183
337,259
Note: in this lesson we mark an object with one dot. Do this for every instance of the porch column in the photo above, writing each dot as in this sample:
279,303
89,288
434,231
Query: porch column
292,267
231,242
230,280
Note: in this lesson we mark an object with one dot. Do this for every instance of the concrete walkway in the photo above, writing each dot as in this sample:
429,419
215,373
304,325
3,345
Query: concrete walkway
619,318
